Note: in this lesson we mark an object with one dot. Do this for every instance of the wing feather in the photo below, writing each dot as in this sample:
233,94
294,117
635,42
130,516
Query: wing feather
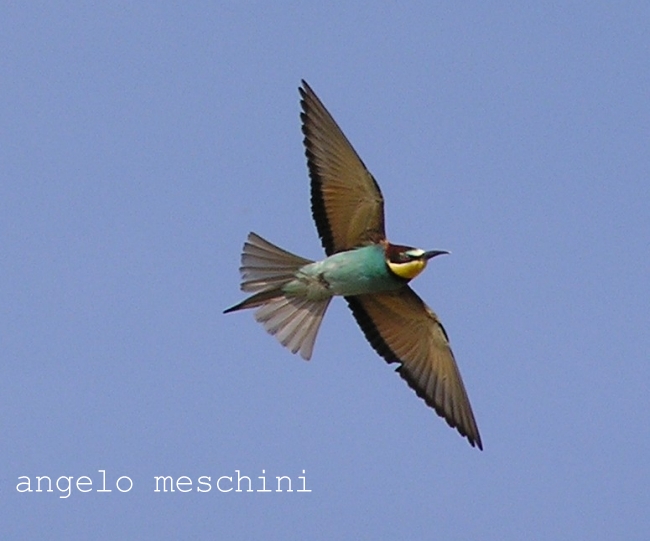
346,201
403,329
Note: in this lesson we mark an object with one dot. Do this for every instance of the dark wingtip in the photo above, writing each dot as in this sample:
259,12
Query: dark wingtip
309,103
473,441
304,89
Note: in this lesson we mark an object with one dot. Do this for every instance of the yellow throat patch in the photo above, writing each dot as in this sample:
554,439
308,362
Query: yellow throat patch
409,269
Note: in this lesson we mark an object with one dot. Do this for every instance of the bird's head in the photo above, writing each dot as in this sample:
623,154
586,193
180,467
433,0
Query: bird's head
407,262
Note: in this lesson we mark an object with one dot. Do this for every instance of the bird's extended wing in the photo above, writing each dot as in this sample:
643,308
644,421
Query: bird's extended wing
403,329
346,201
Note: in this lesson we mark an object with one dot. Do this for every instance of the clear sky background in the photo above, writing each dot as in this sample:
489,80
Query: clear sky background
139,144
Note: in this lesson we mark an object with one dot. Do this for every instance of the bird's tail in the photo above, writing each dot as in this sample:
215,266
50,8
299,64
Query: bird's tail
265,269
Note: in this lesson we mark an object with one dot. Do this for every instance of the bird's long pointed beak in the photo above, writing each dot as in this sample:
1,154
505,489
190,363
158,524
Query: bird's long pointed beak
433,253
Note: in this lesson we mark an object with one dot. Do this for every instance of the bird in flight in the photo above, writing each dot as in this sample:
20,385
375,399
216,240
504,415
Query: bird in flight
291,293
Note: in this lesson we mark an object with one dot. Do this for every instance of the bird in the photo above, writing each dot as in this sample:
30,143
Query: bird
291,294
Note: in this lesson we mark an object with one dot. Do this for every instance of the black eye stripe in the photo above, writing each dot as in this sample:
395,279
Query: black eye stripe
402,254
406,258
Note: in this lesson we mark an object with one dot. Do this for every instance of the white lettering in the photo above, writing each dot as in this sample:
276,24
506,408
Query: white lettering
263,478
280,483
219,483
179,482
206,483
28,483
171,483
81,482
303,483
103,472
117,484
239,478
67,489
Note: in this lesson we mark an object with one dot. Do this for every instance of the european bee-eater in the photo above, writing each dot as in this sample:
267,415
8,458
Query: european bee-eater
291,293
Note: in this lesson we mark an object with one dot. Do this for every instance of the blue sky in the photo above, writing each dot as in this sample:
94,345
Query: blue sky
139,146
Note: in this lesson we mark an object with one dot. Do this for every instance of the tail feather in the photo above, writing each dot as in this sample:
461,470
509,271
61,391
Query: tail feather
255,300
265,269
265,265
294,322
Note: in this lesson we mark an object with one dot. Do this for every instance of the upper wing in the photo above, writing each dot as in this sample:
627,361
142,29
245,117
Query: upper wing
403,329
346,202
